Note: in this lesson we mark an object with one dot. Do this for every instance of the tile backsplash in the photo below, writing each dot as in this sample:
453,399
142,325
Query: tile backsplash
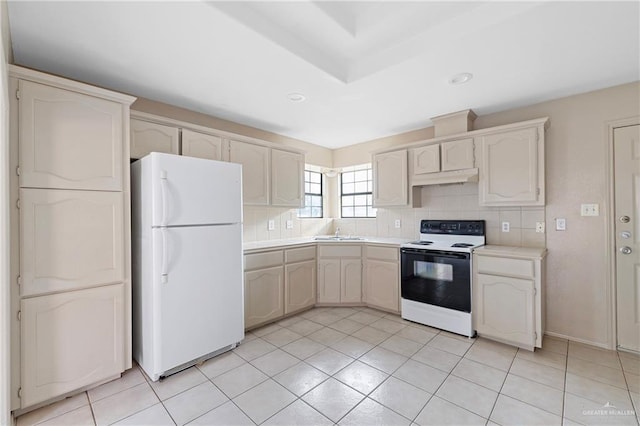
456,201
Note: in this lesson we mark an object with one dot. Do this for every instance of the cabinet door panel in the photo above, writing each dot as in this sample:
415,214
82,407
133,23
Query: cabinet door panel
151,137
426,159
509,172
287,178
255,171
300,286
201,145
457,155
329,281
70,239
351,271
69,140
381,285
263,295
505,308
390,179
71,340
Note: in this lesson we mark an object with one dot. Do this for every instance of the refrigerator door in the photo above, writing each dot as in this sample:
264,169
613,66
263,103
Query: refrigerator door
194,191
199,303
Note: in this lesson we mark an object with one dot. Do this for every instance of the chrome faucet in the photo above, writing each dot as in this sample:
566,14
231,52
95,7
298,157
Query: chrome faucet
337,232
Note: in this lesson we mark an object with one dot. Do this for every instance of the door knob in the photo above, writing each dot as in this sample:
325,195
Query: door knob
624,219
625,250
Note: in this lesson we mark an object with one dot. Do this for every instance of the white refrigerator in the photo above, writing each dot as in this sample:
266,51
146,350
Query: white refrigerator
187,275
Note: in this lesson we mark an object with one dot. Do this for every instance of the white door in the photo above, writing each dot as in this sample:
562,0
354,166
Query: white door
627,227
70,239
201,145
200,304
193,191
69,140
71,340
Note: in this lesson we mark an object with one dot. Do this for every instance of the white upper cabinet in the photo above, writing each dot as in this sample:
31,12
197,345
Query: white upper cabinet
255,171
512,167
426,159
287,173
70,239
390,179
69,140
149,137
201,145
457,155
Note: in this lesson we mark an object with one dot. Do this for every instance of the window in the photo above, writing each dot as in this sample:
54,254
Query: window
312,195
356,192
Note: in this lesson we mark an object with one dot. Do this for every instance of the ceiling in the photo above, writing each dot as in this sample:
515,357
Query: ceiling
367,69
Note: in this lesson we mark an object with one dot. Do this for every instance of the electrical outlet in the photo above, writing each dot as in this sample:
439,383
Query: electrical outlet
561,224
589,210
271,225
540,227
397,223
506,226
289,224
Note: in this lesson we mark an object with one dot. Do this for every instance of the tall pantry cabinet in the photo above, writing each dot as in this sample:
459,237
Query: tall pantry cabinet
70,236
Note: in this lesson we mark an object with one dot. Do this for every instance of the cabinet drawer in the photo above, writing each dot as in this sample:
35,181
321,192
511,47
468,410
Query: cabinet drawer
505,266
262,260
299,254
340,251
383,253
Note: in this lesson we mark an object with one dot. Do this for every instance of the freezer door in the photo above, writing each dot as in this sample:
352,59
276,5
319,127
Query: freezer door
199,292
194,191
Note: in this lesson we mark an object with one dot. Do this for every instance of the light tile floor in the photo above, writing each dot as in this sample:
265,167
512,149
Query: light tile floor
359,366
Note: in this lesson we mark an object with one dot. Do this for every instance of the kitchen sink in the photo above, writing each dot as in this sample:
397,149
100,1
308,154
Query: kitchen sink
334,238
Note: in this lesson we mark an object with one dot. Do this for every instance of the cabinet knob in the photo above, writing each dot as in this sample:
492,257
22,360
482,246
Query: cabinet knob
624,219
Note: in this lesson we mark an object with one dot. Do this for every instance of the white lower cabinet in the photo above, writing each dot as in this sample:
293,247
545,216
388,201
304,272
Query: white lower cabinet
71,340
300,286
340,274
508,294
263,295
381,287
299,279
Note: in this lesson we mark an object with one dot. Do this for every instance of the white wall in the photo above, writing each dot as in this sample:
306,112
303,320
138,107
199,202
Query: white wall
5,51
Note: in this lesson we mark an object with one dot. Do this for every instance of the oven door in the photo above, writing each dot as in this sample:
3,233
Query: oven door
439,278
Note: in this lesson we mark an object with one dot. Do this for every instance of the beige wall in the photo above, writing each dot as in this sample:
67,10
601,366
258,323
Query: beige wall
315,154
361,153
578,281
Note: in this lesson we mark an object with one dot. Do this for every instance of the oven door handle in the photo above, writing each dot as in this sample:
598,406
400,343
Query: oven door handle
445,254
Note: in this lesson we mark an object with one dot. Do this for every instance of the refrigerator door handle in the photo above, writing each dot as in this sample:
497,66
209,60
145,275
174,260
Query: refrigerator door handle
164,269
163,192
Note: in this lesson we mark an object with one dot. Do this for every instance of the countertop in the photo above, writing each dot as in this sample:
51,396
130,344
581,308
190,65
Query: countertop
255,246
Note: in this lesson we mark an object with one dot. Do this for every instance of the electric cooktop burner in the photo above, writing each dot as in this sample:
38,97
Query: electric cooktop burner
422,243
462,245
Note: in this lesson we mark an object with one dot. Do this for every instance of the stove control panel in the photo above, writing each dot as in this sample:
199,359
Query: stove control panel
453,227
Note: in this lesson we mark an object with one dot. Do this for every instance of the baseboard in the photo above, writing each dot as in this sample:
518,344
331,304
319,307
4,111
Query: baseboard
577,340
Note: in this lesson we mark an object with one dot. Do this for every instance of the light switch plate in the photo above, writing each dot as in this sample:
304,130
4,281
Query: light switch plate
561,224
397,223
589,210
540,227
289,224
271,225
506,226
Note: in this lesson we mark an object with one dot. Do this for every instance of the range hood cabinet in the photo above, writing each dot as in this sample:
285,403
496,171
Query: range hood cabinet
441,178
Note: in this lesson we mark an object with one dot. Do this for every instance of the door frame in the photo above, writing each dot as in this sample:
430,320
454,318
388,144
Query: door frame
609,218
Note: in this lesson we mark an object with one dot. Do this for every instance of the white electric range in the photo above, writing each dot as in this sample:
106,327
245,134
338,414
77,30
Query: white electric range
436,274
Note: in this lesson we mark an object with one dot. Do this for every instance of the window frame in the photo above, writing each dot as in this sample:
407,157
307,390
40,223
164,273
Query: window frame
368,168
312,194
